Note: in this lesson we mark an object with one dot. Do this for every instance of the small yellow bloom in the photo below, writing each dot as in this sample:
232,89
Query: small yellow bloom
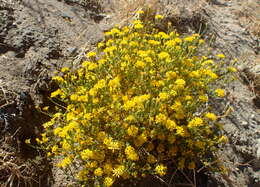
64,69
28,141
220,55
161,169
119,171
196,122
98,172
91,54
131,153
180,83
140,12
211,116
163,55
132,130
108,181
54,148
100,44
45,108
163,96
140,64
232,69
74,97
87,154
138,26
203,98
65,162
160,118
58,79
170,125
171,75
223,139
158,16
220,92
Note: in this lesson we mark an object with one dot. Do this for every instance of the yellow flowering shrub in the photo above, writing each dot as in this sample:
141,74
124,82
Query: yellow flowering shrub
134,104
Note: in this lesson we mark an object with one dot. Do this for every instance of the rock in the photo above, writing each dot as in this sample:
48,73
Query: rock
72,50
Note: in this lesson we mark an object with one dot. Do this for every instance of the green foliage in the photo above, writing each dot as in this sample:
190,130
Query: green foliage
133,105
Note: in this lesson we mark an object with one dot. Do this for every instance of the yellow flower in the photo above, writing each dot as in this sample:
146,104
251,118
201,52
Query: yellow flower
163,55
220,55
115,31
74,97
140,64
58,79
196,122
119,171
140,140
108,181
153,42
232,69
98,172
158,16
108,168
91,54
171,75
87,154
64,69
170,125
92,66
114,83
114,145
148,59
56,93
180,82
140,12
100,45
138,26
189,38
131,154
163,96
182,131
27,141
54,148
195,74
132,130
223,139
203,98
160,118
211,116
220,92
65,162
163,35
161,169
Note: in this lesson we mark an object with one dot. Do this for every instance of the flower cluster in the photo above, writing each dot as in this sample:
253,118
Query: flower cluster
134,104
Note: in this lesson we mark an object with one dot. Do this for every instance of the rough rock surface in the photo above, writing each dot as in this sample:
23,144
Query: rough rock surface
39,36
223,22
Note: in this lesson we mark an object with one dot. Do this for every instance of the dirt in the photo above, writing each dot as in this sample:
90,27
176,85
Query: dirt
37,37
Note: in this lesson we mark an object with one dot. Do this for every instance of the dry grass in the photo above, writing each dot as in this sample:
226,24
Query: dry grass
249,15
13,172
125,10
